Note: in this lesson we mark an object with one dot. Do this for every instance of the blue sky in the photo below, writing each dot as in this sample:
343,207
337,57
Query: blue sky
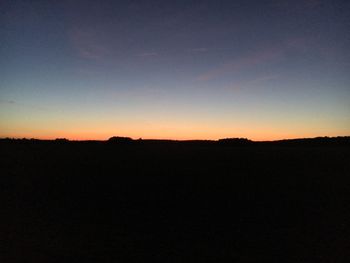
174,69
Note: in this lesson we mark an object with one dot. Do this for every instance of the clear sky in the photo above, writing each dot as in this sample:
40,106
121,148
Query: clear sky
262,70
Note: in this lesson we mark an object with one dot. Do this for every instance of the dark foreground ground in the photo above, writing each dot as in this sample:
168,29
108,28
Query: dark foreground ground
174,202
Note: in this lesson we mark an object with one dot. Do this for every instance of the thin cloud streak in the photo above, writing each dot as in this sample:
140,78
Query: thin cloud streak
239,64
87,45
149,54
16,103
201,49
253,82
7,101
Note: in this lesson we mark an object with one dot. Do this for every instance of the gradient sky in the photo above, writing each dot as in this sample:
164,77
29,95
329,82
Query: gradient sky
175,69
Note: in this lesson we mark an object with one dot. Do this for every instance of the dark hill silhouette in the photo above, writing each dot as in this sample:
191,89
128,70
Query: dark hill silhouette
124,200
340,140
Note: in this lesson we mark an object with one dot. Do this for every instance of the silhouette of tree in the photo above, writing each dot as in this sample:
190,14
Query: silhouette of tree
235,141
117,139
61,140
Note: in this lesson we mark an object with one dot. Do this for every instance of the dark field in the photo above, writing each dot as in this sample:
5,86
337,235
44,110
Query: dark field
174,201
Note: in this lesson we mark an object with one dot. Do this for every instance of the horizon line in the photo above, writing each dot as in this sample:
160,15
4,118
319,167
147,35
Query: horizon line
174,140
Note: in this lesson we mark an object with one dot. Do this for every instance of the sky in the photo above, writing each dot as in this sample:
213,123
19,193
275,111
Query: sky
263,70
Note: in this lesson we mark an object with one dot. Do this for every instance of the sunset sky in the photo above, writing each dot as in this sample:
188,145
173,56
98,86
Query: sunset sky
263,70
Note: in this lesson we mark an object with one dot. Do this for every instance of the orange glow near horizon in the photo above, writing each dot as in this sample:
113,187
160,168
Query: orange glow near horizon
173,125
179,133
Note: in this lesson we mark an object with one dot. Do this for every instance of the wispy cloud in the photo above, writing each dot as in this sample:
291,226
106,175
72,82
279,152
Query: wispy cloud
312,3
242,63
300,43
261,79
207,49
252,82
165,52
267,55
200,49
301,5
7,101
87,44
148,54
20,104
